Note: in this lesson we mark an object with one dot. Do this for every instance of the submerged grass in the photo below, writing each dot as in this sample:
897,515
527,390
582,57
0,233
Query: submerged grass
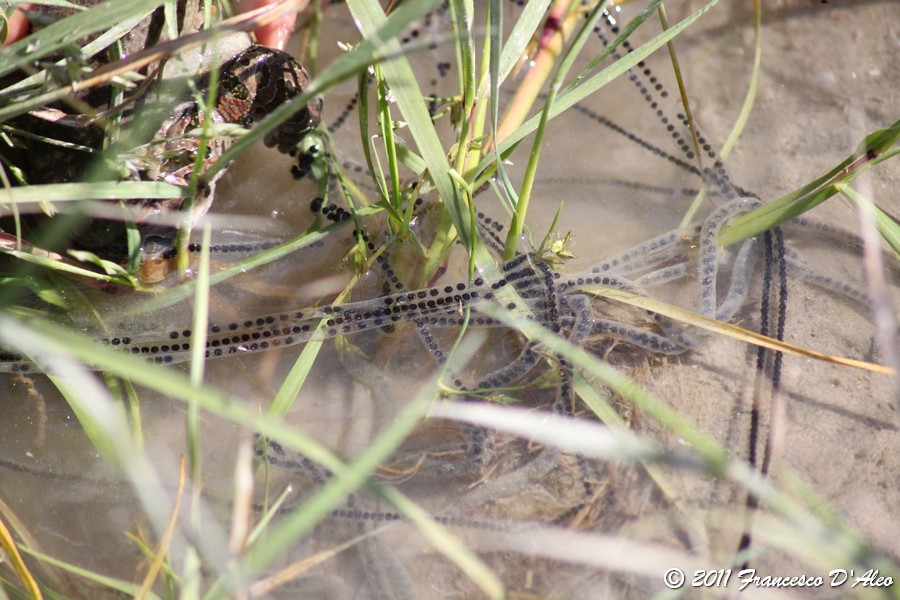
200,568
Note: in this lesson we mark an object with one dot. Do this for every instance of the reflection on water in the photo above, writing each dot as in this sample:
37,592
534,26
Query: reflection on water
493,489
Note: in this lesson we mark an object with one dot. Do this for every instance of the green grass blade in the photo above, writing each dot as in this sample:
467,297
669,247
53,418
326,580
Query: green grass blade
887,227
348,479
186,290
874,149
505,185
523,31
106,39
370,17
50,338
390,146
64,32
447,544
584,88
348,65
290,387
743,115
568,59
126,588
39,195
199,326
64,267
637,21
270,514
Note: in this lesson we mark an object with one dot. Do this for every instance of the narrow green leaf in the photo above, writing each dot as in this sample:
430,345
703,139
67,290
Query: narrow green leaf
186,290
65,31
110,268
447,544
124,587
64,267
98,190
887,227
582,88
46,291
371,19
348,479
523,31
568,59
290,387
105,39
621,384
874,149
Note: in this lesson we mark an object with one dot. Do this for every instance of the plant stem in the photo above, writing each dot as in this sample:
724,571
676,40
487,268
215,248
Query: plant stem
557,29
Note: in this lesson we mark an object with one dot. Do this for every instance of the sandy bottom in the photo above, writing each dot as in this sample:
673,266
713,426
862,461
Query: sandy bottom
829,75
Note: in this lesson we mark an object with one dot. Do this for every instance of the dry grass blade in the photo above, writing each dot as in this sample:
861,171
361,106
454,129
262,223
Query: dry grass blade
733,331
550,48
50,577
163,551
294,570
9,546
